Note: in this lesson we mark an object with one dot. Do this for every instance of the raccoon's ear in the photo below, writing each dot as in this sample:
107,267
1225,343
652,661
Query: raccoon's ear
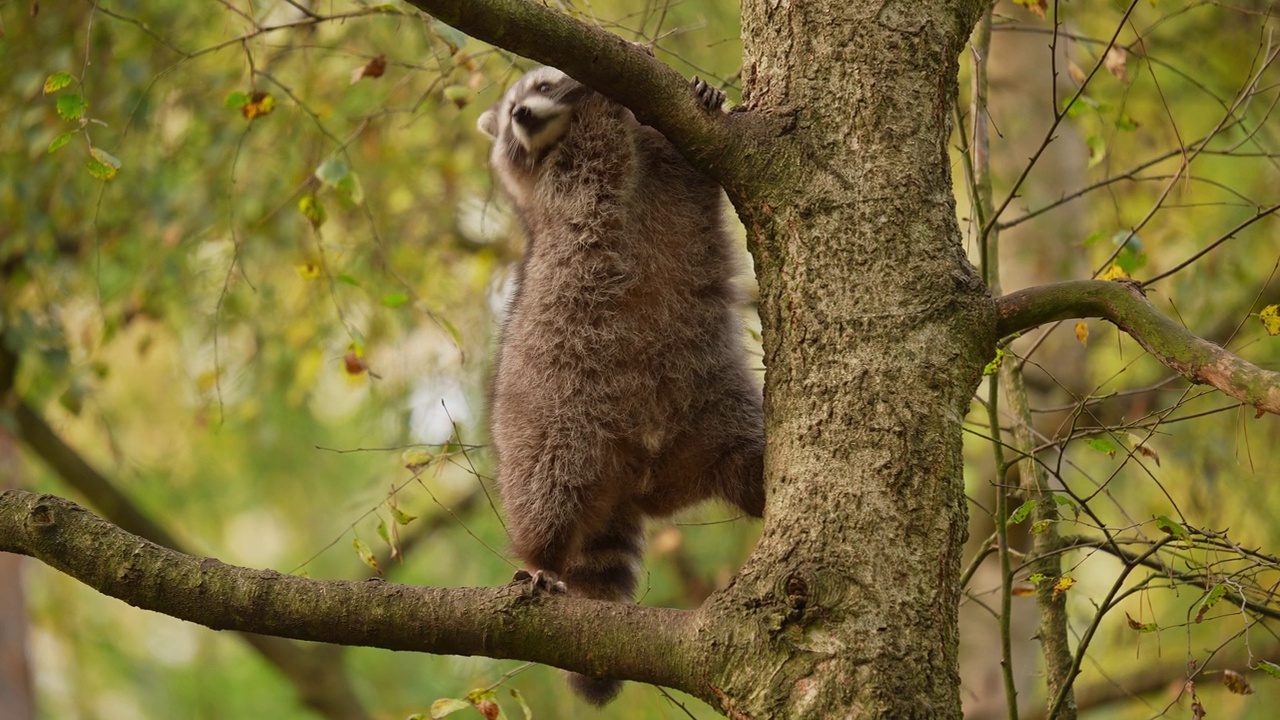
488,124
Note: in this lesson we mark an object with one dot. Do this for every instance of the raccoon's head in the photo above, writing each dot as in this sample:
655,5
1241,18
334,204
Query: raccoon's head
530,119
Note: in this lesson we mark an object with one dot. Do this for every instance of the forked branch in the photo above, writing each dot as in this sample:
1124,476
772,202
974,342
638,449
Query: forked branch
1125,305
720,145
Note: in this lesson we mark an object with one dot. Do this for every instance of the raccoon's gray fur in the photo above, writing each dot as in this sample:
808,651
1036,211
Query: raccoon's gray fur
621,389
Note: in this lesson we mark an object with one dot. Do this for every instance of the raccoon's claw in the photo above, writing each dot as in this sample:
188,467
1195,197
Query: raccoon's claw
541,581
709,97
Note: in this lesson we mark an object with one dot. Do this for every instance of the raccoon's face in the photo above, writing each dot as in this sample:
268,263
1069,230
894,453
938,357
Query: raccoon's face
532,117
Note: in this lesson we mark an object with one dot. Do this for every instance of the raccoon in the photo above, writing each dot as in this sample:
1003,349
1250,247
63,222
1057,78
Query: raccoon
621,389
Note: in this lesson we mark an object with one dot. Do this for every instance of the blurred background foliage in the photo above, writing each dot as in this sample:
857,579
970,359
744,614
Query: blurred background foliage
250,325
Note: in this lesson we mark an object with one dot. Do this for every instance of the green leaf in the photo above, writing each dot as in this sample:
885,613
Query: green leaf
447,706
332,171
56,82
395,299
459,95
1080,105
1103,445
1133,254
102,164
1037,578
383,532
1269,668
236,100
349,187
1094,237
1022,513
71,107
415,459
1170,527
1040,526
479,695
345,278
1097,149
993,367
1216,593
1126,123
449,36
57,143
72,399
401,517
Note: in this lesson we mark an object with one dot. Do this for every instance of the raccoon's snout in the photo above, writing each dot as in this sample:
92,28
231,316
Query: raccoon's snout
526,118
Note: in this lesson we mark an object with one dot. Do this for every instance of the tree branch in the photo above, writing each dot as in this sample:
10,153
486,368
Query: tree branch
619,640
1125,305
726,147
315,673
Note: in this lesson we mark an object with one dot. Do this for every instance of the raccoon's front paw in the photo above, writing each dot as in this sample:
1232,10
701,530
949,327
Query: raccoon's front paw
709,97
540,580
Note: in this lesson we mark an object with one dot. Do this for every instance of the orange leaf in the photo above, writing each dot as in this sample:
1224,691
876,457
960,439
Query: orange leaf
1082,332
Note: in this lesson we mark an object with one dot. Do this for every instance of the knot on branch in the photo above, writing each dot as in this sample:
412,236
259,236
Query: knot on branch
42,516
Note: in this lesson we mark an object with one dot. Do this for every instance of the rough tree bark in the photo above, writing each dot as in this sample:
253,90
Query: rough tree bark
876,330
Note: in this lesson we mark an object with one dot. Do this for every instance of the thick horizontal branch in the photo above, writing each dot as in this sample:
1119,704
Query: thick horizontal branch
629,642
720,145
1125,305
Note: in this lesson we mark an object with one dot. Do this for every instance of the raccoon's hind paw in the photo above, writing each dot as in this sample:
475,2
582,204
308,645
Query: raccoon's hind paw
709,97
540,581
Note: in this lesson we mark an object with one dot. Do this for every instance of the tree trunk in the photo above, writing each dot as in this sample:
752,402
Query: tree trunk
876,331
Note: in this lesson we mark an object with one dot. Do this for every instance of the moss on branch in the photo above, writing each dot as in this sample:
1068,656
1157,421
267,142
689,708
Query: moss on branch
624,641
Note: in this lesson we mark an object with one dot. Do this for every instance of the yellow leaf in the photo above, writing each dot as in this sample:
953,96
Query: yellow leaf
206,381
1037,7
366,555
308,271
1082,332
1114,272
1270,317
312,210
1062,585
259,104
102,165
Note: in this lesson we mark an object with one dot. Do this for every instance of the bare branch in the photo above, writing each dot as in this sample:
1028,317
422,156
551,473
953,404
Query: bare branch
589,636
1125,305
